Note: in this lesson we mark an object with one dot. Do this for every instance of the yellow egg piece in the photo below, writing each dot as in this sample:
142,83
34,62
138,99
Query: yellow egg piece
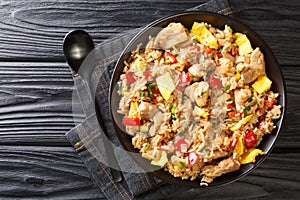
239,149
262,84
203,35
243,43
165,85
134,112
250,156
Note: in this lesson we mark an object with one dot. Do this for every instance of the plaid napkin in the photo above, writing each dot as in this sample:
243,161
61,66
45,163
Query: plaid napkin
87,136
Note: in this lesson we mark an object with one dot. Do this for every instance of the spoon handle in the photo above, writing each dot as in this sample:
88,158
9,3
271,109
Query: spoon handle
111,157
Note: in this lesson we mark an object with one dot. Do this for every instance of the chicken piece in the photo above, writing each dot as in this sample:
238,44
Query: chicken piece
223,167
190,91
240,96
185,116
173,35
159,119
198,92
147,110
215,155
225,66
229,57
256,67
197,70
202,94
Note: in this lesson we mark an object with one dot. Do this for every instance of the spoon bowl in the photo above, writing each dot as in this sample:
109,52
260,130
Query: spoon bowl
76,46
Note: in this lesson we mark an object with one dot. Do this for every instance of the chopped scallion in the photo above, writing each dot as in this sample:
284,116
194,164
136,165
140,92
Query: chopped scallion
173,110
151,85
226,88
146,147
246,110
181,134
142,94
180,165
212,117
250,99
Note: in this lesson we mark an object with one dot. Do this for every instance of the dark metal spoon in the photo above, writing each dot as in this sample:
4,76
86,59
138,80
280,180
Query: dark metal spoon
76,46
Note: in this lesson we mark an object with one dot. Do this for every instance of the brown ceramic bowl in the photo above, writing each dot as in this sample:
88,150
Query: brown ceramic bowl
216,20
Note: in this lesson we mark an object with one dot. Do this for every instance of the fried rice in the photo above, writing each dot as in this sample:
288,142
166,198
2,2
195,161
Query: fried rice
197,102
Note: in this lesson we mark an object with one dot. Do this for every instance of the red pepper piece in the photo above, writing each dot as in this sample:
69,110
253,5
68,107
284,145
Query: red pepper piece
155,100
130,77
131,121
178,144
229,106
232,114
233,143
155,91
193,158
250,139
268,104
215,82
207,49
220,55
195,48
179,87
147,74
235,51
170,57
184,78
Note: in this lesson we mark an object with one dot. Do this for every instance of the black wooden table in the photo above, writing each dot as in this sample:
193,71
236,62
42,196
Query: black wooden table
36,160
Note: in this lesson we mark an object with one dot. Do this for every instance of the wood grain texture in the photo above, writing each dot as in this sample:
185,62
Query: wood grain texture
58,173
35,172
36,103
36,160
33,30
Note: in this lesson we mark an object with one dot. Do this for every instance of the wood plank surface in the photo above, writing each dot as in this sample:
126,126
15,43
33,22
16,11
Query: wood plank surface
34,172
34,30
58,173
36,160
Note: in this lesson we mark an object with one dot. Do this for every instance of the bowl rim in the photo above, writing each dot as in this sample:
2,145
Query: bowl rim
276,132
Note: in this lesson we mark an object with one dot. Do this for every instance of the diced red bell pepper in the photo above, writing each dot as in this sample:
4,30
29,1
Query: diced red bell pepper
155,91
131,121
207,49
220,55
233,113
235,51
155,100
268,104
229,106
179,87
184,79
193,158
195,48
250,139
178,144
147,74
215,82
130,77
170,57
259,109
233,143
